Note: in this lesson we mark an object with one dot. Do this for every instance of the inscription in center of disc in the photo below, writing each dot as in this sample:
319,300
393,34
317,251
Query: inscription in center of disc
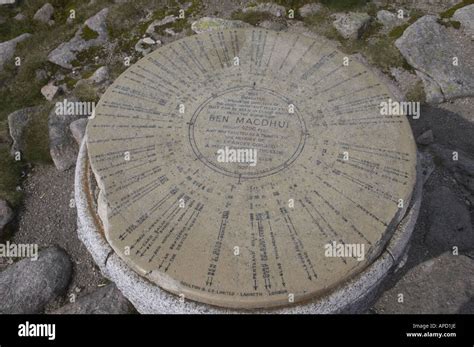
246,118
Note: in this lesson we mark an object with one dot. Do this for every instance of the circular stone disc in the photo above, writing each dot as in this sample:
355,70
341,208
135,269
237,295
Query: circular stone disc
330,168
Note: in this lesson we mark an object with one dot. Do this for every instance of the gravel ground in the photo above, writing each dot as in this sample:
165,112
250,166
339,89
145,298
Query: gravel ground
46,218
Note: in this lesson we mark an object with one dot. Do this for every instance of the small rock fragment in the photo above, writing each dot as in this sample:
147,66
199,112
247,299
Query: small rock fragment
351,25
45,13
78,129
49,91
426,138
309,10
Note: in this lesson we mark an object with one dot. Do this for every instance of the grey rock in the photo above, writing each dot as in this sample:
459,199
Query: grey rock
449,223
106,300
207,24
429,48
426,138
62,145
389,19
432,90
271,25
268,7
159,23
351,25
465,15
406,80
6,216
7,2
66,52
441,285
19,17
28,286
309,9
149,41
143,47
49,91
17,122
45,13
100,75
97,22
7,48
78,129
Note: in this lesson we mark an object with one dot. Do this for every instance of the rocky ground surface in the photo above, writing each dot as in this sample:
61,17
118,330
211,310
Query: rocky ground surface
424,49
48,217
432,279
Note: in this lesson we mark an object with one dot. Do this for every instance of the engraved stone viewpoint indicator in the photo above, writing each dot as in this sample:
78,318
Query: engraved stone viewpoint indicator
330,168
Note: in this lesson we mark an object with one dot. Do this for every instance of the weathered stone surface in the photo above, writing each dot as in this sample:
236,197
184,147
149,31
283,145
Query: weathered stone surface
465,16
62,145
49,91
309,9
429,48
17,122
7,48
45,13
7,2
106,300
28,286
268,7
6,216
442,285
78,129
100,75
66,52
351,25
450,222
207,24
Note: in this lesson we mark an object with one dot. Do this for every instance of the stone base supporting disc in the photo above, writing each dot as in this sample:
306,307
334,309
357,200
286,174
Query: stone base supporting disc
249,169
148,298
